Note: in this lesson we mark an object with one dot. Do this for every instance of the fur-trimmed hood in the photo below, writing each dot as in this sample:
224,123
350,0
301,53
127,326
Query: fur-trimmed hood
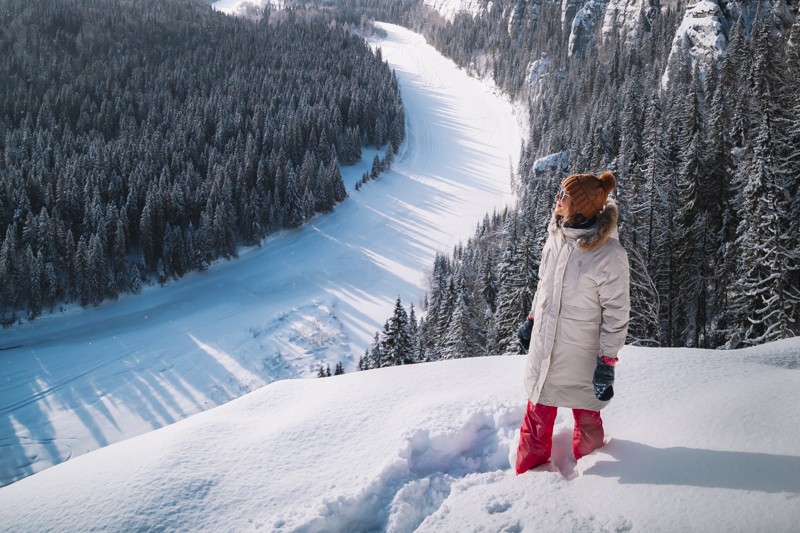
590,238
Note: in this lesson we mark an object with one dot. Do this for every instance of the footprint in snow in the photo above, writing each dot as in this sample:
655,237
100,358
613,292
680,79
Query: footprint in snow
419,480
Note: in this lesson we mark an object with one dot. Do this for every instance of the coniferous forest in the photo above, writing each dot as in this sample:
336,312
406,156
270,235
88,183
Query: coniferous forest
707,161
142,139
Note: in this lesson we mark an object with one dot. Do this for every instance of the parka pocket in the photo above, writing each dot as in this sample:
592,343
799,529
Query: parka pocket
580,327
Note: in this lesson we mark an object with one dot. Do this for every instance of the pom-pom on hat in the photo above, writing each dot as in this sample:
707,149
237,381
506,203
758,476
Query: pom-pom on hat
589,192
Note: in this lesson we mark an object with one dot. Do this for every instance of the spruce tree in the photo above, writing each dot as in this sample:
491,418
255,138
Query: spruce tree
397,340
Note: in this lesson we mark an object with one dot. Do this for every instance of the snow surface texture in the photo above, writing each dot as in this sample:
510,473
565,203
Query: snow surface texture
85,378
699,441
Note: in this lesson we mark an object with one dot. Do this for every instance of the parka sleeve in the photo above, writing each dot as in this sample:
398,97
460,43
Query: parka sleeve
614,292
542,266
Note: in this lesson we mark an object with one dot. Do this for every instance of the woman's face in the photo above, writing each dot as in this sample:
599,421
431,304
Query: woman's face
563,204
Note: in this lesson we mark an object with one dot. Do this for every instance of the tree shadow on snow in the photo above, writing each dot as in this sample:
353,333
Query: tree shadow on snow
641,464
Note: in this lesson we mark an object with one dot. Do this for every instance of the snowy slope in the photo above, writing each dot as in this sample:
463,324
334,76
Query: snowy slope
85,378
699,441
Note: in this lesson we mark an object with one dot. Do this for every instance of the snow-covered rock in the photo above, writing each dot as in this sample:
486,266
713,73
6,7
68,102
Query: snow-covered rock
625,16
450,8
524,15
701,34
539,70
569,8
246,7
551,162
584,25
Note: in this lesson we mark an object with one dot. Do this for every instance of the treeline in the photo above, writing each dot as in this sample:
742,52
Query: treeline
707,161
149,137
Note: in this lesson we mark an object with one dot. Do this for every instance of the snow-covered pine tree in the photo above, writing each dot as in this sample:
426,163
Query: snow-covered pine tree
517,281
363,361
376,351
9,276
765,303
397,342
376,169
691,220
295,209
792,160
335,178
646,224
462,336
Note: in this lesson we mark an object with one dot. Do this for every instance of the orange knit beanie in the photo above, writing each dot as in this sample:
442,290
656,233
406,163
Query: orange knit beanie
589,192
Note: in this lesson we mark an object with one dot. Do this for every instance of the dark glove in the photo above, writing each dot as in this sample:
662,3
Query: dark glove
524,334
603,379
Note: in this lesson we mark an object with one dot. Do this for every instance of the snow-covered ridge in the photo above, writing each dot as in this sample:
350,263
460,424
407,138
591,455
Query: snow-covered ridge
701,33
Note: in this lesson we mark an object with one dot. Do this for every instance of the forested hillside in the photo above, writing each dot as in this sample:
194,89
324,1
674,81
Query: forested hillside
145,138
707,159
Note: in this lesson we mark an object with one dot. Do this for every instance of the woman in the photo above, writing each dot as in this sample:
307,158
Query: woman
578,321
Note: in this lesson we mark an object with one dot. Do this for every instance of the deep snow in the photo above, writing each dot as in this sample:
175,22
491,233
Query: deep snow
79,380
699,441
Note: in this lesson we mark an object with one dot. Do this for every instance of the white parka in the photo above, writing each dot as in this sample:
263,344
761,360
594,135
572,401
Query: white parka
580,311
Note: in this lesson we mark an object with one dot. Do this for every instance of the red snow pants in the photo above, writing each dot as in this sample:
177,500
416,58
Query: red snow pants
536,435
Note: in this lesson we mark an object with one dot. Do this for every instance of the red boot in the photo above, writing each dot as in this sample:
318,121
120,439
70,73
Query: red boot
535,437
588,434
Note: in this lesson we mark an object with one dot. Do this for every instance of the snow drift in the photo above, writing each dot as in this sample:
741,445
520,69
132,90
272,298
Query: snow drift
699,441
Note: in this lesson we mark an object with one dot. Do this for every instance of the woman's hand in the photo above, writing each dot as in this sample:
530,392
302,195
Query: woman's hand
524,334
603,379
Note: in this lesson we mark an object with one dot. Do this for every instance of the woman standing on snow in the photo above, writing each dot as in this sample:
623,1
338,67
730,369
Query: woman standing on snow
578,321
